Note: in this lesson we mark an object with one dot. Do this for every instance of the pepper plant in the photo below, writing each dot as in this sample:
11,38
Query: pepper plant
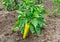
30,18
9,4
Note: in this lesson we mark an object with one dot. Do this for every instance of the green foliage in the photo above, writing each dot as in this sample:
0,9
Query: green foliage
38,30
57,1
9,4
40,1
32,29
31,13
16,25
56,4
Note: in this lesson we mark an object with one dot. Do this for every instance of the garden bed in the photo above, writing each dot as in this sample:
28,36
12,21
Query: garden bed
50,32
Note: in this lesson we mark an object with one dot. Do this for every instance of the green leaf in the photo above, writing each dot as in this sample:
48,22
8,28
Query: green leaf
31,9
16,25
35,12
20,6
41,22
37,15
20,12
19,16
32,29
27,1
45,12
38,30
34,22
21,30
21,23
21,26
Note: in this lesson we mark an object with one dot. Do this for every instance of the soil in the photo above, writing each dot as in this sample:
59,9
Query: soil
50,32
